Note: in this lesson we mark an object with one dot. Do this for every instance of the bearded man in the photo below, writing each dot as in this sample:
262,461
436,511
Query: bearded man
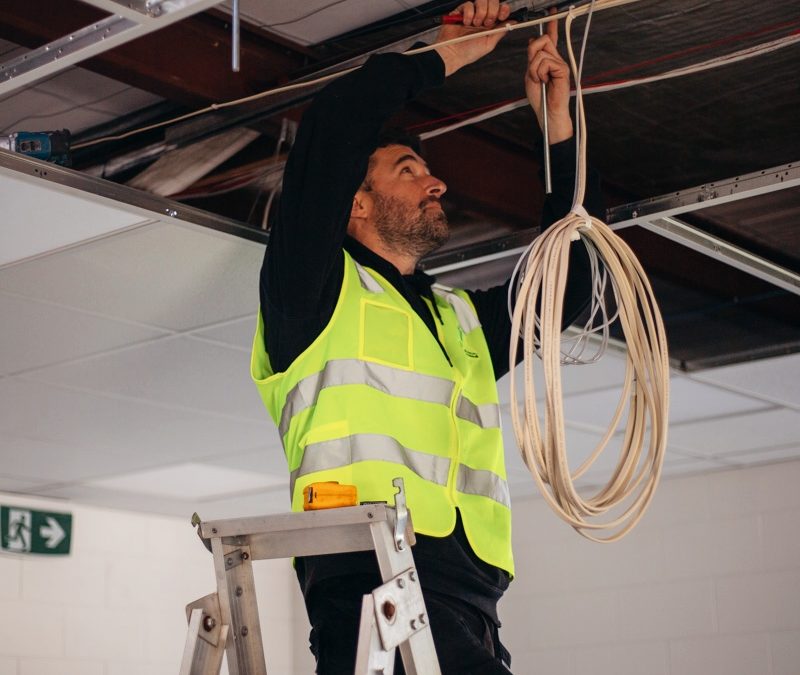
372,371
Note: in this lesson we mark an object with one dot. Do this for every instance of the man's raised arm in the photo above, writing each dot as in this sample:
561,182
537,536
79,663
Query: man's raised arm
302,271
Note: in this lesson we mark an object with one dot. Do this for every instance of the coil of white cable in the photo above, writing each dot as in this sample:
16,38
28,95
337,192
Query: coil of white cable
618,505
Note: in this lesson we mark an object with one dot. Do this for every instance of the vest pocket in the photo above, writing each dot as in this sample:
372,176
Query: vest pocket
385,335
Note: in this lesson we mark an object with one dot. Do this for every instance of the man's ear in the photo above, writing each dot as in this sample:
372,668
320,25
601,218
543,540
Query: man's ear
361,205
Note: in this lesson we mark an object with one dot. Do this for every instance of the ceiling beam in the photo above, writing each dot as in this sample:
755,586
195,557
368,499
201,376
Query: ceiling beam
187,62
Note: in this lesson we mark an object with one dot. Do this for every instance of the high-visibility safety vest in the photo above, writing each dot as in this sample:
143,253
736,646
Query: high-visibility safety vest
374,398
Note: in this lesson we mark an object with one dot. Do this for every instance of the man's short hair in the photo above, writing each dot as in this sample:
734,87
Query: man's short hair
390,136
397,136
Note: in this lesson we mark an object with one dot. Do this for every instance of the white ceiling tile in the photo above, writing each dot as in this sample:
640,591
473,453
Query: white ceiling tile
766,455
275,500
155,434
163,275
607,372
738,433
39,217
313,21
63,462
688,401
119,499
775,379
579,445
269,460
681,466
189,480
180,371
13,484
36,334
236,333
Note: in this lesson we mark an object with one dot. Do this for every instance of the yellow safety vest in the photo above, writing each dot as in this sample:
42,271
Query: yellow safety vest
374,398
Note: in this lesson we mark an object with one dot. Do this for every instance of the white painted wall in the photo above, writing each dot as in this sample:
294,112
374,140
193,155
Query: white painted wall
115,605
707,584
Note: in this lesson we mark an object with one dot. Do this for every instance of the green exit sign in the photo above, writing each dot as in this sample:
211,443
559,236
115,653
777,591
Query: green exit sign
28,531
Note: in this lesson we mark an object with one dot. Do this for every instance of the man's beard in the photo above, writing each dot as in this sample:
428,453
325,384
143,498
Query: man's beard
410,230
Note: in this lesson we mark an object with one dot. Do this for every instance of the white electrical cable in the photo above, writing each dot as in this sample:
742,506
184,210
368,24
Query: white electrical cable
710,64
332,76
618,505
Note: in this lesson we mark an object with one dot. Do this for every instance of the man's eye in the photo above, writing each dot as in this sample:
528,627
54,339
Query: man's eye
406,169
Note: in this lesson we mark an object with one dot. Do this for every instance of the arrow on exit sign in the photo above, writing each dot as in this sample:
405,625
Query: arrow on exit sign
29,531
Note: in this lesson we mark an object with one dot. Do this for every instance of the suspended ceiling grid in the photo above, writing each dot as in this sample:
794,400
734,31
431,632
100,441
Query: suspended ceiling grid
105,333
124,374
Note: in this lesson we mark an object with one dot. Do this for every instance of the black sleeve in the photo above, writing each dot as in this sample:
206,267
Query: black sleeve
492,304
302,271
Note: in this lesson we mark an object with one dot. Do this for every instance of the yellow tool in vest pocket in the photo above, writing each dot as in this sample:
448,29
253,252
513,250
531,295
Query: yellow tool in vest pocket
329,495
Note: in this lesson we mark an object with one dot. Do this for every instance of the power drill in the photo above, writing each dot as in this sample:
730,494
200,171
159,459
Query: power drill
51,146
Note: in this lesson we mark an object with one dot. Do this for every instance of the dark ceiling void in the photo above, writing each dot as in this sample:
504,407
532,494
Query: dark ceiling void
187,62
645,141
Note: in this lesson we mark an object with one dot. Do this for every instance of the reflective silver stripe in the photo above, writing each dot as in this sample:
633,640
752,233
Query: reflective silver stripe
483,483
467,318
393,381
368,282
486,415
370,447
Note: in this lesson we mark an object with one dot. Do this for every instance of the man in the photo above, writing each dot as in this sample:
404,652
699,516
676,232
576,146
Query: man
372,372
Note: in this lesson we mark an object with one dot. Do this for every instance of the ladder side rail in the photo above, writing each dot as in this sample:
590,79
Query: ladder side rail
199,656
233,567
418,651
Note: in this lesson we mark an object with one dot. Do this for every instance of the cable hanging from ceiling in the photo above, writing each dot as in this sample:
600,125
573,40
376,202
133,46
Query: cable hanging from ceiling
332,76
539,283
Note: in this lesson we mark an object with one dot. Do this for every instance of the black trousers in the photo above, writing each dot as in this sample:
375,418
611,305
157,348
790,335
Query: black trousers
466,640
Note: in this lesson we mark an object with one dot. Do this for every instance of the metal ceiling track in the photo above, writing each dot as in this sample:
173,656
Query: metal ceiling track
128,20
658,215
104,191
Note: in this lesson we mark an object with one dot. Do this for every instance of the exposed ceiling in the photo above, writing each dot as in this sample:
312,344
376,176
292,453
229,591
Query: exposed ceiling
125,329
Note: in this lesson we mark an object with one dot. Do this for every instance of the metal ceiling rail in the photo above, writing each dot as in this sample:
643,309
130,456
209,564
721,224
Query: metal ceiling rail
657,215
719,249
705,196
129,19
113,194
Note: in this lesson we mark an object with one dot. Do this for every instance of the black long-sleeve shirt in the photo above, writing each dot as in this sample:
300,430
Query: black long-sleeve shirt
303,271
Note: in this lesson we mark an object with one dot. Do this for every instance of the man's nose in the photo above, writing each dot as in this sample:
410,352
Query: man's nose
435,187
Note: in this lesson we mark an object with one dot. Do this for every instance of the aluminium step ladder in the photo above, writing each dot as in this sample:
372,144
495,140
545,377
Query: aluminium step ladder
393,615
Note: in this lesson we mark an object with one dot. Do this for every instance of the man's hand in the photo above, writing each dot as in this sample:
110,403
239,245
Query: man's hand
477,16
545,65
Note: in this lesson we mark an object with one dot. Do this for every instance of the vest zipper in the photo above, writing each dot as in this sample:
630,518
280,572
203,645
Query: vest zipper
455,452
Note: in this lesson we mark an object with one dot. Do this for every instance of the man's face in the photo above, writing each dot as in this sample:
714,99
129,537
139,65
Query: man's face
406,212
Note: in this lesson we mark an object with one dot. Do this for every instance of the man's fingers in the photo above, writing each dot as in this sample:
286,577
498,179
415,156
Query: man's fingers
552,28
542,44
467,11
481,7
543,67
483,13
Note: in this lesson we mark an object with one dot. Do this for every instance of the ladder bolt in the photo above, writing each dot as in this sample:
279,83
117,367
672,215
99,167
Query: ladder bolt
244,631
245,555
209,623
239,591
422,619
388,610
412,575
413,624
401,583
